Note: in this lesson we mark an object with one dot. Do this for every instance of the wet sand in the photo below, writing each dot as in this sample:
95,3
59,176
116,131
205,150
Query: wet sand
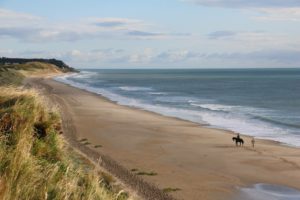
202,162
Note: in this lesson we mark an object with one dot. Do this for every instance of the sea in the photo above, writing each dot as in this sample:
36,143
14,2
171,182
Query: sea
264,103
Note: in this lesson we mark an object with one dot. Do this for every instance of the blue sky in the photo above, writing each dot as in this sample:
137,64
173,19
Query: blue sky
154,33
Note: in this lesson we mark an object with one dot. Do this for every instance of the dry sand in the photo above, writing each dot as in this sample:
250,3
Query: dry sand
203,162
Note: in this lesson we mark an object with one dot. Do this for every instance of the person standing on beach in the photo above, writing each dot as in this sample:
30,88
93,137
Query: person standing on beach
253,142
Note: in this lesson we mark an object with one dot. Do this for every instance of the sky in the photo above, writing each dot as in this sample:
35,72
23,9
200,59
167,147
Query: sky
154,33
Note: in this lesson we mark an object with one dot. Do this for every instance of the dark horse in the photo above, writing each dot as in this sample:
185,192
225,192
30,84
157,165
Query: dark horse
238,140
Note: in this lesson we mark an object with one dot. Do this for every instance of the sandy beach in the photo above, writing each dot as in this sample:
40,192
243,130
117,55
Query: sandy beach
203,163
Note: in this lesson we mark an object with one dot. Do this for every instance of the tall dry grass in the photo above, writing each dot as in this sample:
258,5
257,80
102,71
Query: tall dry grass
34,160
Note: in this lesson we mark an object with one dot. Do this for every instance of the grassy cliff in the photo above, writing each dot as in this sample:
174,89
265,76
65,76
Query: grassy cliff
13,74
10,77
58,63
35,161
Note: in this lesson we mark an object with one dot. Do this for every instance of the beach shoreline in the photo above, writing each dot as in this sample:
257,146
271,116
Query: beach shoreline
202,162
202,124
253,115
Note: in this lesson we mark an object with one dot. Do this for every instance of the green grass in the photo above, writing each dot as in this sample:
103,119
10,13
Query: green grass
14,74
143,173
10,76
35,162
83,140
167,190
86,143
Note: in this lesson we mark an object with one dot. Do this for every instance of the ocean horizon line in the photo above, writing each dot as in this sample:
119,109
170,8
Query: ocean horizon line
188,68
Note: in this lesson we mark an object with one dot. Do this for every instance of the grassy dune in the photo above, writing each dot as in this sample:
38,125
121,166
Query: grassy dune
10,76
13,74
35,162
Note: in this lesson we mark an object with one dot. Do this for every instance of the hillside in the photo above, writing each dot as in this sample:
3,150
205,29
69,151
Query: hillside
58,63
13,74
36,162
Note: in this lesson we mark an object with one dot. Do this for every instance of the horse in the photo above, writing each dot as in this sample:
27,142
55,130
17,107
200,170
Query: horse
238,140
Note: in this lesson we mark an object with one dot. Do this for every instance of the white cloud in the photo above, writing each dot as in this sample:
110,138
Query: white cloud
171,58
144,56
177,56
221,34
31,28
117,23
278,14
13,16
271,10
262,58
247,3
245,46
250,40
6,52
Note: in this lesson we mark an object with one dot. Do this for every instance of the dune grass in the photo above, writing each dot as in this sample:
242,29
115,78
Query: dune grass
169,189
35,163
10,77
32,68
143,173
14,74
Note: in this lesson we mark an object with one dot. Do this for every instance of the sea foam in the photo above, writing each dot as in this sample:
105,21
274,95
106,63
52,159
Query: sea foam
131,88
264,191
